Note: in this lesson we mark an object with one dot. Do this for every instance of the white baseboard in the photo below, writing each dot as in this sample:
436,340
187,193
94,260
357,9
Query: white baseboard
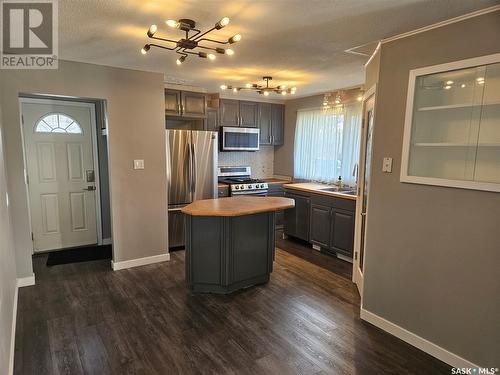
107,241
139,262
417,341
13,333
26,281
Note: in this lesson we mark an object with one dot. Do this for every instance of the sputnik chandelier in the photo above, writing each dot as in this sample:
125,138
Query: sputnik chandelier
186,46
262,89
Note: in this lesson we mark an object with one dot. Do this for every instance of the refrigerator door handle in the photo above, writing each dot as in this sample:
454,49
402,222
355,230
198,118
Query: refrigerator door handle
190,170
194,167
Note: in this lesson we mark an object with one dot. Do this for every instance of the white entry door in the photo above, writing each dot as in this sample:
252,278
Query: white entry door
364,187
61,174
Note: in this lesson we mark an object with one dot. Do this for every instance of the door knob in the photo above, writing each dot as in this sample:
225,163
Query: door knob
89,188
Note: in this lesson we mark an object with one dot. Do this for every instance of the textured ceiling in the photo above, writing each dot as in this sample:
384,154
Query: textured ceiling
298,42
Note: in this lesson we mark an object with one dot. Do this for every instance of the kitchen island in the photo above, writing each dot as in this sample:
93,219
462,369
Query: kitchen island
230,242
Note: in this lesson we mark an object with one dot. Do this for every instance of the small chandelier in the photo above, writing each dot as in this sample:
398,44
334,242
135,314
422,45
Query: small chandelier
186,46
333,100
262,89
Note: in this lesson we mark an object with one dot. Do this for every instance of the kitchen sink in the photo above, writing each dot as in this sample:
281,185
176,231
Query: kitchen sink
341,190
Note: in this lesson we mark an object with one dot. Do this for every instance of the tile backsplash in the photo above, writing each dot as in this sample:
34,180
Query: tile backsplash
260,161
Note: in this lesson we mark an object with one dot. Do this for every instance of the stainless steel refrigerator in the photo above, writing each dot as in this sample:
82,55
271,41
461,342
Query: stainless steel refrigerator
191,175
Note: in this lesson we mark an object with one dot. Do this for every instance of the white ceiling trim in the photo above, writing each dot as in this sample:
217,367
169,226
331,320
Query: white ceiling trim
441,24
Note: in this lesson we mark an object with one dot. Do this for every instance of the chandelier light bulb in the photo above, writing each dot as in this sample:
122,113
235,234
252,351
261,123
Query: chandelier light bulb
223,87
235,38
145,49
229,52
449,82
211,56
223,22
266,93
152,30
248,85
359,98
235,89
172,23
180,60
283,92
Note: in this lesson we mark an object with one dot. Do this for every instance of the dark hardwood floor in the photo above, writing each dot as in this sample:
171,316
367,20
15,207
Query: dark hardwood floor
304,250
85,319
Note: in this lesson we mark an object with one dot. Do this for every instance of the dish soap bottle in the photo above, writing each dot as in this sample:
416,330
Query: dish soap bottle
340,184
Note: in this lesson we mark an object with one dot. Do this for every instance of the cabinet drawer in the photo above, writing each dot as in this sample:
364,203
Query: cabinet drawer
342,203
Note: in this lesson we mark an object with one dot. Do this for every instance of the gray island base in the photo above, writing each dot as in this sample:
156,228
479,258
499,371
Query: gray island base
230,242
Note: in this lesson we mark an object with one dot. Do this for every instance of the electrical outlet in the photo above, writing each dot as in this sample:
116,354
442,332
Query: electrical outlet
139,164
387,165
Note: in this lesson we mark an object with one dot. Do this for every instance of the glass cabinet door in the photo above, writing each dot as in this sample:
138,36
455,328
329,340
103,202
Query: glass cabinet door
455,128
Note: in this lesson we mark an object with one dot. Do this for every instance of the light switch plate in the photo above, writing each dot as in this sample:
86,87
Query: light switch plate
387,165
139,164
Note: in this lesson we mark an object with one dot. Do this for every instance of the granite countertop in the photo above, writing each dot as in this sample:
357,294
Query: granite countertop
237,206
316,188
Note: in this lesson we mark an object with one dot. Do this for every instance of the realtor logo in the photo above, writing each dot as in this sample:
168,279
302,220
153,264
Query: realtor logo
29,34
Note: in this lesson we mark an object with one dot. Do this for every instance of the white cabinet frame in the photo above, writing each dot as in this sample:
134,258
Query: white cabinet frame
404,177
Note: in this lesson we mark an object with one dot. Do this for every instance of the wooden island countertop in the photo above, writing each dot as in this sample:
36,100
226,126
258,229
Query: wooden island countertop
237,206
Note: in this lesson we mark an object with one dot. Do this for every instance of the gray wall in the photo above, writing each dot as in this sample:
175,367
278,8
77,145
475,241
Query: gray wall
7,267
433,253
135,105
283,155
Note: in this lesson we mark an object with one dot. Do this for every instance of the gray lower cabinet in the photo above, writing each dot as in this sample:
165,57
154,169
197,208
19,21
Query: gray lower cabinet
320,225
276,190
297,218
328,222
342,232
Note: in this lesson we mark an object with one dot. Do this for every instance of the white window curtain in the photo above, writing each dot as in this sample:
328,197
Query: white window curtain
327,143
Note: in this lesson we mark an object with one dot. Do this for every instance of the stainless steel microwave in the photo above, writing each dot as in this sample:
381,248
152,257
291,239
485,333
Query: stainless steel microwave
239,139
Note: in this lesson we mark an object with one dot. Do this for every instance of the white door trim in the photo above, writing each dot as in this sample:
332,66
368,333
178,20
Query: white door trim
64,101
357,276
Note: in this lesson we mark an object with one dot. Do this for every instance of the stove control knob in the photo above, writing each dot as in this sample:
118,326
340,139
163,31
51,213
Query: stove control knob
262,185
242,187
236,187
249,186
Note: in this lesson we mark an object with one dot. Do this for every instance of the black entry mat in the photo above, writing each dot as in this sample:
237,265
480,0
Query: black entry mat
79,254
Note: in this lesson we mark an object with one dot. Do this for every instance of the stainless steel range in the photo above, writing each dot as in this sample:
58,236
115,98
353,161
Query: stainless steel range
240,181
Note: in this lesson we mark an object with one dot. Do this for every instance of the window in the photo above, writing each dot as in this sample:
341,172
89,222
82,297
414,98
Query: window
58,123
327,144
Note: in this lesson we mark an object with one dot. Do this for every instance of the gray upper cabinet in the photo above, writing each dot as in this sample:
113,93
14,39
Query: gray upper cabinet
173,102
185,104
194,104
249,114
265,111
229,112
212,120
277,124
271,123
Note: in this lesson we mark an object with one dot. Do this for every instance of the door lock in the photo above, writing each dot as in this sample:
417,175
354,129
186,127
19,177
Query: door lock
90,188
